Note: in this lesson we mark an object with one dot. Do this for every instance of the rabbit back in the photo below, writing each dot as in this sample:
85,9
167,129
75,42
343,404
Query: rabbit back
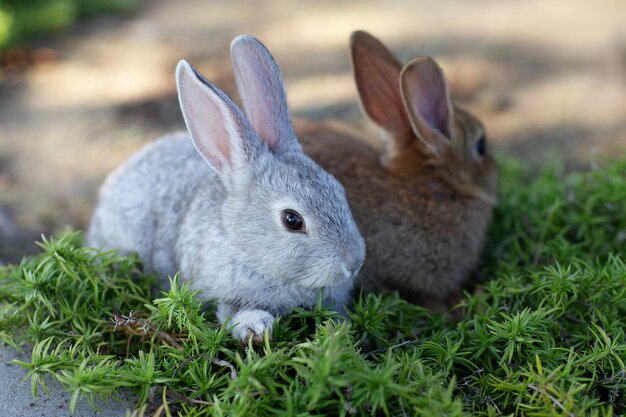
143,203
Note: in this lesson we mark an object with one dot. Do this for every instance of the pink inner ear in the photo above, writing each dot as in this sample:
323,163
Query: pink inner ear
425,94
433,107
214,122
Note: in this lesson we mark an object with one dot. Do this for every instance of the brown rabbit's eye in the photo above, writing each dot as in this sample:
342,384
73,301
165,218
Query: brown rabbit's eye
481,145
292,221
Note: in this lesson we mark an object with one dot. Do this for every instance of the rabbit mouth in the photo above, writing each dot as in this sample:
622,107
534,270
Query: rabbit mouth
349,274
339,275
342,275
336,271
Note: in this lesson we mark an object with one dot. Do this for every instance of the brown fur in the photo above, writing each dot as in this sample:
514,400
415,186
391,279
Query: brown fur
423,205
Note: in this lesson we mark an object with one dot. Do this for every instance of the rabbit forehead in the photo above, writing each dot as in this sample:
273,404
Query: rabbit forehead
309,190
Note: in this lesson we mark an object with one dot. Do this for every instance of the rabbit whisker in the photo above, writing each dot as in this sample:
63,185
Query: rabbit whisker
272,291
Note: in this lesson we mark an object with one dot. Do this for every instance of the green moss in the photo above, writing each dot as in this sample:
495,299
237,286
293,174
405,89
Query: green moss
6,26
542,336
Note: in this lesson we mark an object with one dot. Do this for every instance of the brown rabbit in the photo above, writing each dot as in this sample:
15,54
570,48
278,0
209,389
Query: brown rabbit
424,203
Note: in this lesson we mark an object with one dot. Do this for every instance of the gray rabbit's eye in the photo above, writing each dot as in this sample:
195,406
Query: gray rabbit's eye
292,221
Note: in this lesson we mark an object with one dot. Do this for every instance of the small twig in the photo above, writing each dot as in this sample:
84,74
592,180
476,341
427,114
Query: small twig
402,409
128,340
186,362
401,344
219,362
493,403
177,397
141,327
554,400
181,398
215,361
619,376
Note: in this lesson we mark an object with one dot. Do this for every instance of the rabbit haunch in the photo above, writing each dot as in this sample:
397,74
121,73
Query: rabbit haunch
211,203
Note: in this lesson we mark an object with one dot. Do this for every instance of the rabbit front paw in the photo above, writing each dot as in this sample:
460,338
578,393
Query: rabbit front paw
252,324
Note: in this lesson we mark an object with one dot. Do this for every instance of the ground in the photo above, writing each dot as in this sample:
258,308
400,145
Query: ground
16,398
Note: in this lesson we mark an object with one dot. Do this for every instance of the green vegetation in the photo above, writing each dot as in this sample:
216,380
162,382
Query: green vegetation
543,337
21,20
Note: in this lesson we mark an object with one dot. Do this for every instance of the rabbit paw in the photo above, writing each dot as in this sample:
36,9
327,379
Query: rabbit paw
252,324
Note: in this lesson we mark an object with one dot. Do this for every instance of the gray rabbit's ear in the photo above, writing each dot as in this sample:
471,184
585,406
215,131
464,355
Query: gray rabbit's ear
262,90
218,129
377,76
427,101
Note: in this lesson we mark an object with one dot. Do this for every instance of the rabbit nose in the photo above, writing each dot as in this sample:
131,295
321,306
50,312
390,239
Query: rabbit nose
355,269
352,263
359,256
346,273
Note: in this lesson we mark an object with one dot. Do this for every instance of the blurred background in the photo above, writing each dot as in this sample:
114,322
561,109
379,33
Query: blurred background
84,83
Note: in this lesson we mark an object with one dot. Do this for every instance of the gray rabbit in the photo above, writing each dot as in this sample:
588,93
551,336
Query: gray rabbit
235,205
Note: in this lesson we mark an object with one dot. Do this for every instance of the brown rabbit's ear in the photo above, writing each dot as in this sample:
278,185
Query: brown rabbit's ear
377,75
427,101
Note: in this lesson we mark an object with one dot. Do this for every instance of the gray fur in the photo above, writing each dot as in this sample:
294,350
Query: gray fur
217,221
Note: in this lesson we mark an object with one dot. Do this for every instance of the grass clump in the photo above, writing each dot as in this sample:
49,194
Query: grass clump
22,20
557,217
543,337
